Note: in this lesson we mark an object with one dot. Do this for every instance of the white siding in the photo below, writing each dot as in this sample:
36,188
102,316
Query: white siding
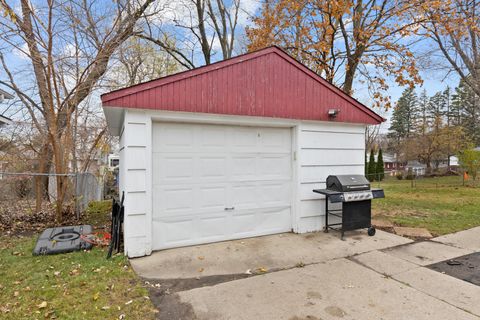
324,149
320,149
135,180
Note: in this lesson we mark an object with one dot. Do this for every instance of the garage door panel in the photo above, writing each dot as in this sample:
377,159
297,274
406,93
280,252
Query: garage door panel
213,138
244,223
243,167
274,166
173,168
244,196
213,197
243,139
274,220
177,199
275,140
208,168
275,194
175,230
173,138
208,226
212,168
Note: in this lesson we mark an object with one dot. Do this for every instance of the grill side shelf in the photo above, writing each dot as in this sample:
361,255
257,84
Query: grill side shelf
333,196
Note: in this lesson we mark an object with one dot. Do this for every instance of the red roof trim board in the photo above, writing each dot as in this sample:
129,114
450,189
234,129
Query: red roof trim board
110,99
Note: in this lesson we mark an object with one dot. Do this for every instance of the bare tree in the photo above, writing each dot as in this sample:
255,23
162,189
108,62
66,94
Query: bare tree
68,45
197,27
454,26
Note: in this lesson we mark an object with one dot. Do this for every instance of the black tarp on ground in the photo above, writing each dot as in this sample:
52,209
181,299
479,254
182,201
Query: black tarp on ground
62,239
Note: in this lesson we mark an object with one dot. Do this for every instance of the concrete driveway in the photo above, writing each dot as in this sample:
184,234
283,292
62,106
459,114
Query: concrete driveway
313,276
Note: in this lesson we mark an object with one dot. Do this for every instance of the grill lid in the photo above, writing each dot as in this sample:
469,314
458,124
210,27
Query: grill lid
347,182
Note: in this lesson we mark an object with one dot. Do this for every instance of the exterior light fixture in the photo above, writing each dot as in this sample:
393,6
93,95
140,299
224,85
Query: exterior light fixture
332,113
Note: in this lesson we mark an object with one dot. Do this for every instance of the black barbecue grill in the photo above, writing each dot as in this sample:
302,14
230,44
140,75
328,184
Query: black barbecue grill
355,195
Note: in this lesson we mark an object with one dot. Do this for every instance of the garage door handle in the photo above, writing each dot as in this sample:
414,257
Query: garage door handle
229,208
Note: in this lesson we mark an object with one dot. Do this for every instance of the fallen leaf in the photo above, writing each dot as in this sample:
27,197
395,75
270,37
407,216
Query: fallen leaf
16,294
128,302
262,269
105,307
201,257
56,273
200,270
96,296
42,305
74,272
4,310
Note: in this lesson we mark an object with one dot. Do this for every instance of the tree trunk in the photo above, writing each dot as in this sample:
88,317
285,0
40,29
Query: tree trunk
349,77
41,182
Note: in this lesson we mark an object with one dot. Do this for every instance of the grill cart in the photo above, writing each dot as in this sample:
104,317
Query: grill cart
355,195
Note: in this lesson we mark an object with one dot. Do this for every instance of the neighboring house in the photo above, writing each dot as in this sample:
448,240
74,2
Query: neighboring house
4,96
390,163
232,150
113,161
417,168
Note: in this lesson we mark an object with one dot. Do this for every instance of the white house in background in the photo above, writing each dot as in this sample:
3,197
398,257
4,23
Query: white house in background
113,161
4,96
232,150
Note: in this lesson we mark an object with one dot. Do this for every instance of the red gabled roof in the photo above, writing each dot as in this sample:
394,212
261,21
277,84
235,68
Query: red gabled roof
265,83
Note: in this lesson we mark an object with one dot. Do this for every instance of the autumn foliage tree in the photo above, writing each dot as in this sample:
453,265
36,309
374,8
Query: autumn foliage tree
343,40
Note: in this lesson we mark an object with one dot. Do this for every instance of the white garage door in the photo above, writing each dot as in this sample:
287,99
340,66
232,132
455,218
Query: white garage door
214,183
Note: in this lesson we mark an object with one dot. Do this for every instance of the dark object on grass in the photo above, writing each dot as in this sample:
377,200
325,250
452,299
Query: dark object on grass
465,268
62,240
116,227
454,263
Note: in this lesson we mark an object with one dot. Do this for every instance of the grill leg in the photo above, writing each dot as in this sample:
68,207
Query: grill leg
326,214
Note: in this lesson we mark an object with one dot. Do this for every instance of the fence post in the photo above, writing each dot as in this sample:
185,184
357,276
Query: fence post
77,211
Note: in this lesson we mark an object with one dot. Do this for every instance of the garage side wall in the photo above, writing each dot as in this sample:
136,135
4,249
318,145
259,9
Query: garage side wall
135,181
325,149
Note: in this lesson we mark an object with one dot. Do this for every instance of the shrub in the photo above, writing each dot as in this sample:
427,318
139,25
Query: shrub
399,176
22,187
410,175
380,170
371,167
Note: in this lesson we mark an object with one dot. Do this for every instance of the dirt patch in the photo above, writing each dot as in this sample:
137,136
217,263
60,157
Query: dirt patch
170,307
164,298
314,295
335,311
305,318
19,218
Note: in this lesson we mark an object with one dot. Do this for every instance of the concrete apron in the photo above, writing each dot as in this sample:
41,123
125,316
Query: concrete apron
379,284
382,279
259,254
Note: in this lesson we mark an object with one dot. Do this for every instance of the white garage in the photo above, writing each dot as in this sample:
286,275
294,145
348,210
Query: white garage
231,150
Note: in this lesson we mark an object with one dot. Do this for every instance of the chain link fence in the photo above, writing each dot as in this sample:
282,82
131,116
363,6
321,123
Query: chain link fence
21,189
417,179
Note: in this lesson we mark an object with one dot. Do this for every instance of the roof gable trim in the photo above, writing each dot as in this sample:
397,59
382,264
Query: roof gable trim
236,60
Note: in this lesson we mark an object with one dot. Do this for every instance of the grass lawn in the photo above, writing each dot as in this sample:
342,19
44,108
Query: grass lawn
79,285
442,205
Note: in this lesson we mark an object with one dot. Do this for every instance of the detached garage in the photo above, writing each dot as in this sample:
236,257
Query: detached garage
231,150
